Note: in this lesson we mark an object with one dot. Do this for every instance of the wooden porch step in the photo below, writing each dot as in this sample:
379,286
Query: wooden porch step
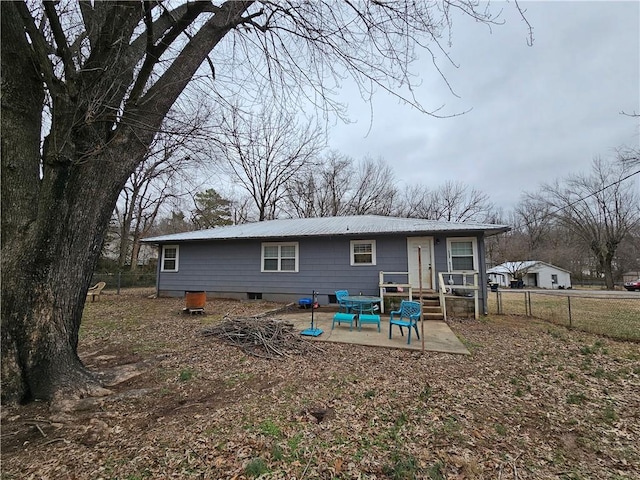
431,308
426,294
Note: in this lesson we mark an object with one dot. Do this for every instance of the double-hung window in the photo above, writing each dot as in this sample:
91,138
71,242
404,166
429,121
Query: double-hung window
170,257
363,252
462,254
280,257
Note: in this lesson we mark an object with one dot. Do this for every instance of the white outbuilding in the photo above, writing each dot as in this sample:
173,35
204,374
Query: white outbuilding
533,273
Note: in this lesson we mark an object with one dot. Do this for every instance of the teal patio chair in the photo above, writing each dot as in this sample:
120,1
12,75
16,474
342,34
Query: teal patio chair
343,305
406,316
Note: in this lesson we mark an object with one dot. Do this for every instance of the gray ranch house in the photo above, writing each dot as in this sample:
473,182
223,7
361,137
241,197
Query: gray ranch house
285,260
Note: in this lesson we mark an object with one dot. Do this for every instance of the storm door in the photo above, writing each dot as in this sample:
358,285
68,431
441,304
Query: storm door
426,250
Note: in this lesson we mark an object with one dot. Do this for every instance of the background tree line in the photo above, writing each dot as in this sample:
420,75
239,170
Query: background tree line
266,166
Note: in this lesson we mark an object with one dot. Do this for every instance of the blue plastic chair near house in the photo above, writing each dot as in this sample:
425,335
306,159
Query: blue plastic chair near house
406,316
343,304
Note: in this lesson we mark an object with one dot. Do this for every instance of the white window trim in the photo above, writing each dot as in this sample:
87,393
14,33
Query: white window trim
474,248
279,244
164,248
352,253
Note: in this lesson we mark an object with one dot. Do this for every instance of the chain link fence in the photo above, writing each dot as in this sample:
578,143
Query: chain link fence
615,314
119,280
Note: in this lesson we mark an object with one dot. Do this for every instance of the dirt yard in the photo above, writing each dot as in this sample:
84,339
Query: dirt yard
532,401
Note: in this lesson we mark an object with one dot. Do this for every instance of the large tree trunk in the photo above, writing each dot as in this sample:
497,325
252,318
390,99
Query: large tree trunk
46,270
55,215
22,97
607,268
53,224
56,203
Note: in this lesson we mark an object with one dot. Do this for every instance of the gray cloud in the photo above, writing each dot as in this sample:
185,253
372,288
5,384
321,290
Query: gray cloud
537,113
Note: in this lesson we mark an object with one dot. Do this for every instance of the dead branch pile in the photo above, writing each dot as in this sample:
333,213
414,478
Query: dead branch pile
262,337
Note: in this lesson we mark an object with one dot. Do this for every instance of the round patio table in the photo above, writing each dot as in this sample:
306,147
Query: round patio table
360,302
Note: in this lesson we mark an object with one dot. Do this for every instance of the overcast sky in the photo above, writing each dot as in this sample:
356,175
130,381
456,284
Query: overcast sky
537,112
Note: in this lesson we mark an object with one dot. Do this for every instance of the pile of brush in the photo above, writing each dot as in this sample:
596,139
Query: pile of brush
262,337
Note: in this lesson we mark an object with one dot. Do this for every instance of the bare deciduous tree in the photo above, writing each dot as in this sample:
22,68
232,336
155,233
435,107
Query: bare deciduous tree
337,185
264,151
452,202
373,189
601,208
157,180
534,222
321,190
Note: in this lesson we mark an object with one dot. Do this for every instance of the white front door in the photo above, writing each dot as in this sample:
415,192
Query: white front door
426,254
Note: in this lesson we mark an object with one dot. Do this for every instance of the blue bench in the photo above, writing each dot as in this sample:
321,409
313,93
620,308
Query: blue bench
366,318
343,317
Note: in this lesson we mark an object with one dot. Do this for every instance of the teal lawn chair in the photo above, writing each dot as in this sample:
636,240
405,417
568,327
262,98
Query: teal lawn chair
343,304
406,316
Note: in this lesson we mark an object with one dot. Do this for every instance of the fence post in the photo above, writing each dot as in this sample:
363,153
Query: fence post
569,302
119,273
529,301
499,302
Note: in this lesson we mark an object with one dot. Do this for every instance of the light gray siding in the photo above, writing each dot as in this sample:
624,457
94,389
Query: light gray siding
232,268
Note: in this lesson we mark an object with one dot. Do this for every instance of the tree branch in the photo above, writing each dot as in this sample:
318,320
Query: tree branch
154,52
39,50
61,42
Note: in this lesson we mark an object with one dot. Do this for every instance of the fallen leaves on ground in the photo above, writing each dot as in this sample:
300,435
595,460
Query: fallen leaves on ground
532,401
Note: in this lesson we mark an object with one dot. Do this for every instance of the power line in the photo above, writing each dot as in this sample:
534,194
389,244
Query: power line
582,199
594,193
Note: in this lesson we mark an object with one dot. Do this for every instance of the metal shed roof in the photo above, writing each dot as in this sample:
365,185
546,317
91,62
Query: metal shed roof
329,226
533,265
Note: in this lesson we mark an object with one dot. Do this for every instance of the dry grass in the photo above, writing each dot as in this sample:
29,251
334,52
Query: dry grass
532,401
613,316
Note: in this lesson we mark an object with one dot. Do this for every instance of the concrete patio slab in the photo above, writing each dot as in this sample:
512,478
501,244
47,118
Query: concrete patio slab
438,337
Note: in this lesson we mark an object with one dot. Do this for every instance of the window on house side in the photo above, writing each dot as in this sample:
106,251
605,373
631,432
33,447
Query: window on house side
462,255
169,258
363,252
279,257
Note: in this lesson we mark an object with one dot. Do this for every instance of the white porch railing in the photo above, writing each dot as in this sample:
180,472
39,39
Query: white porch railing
407,289
447,288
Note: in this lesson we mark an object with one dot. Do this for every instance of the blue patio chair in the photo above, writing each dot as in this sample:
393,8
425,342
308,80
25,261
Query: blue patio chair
407,316
343,305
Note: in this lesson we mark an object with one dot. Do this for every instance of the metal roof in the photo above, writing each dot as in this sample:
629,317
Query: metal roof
508,267
329,226
511,267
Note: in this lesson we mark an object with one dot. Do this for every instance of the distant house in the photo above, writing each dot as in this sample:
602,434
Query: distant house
532,273
283,260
